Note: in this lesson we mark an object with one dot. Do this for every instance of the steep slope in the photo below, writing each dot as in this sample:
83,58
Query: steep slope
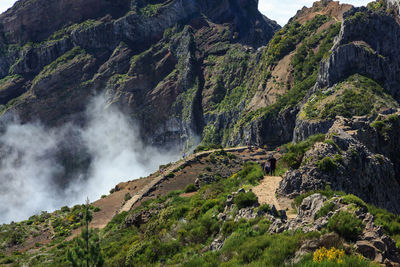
108,51
356,101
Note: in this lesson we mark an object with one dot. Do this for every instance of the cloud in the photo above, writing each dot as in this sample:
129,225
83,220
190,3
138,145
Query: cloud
35,161
283,10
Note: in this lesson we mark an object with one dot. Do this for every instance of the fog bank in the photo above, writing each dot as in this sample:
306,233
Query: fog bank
35,160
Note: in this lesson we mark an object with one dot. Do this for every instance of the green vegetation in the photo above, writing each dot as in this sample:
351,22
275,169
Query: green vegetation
390,222
294,153
61,222
245,199
383,126
75,53
327,164
346,225
289,36
352,199
127,196
150,10
328,192
305,63
9,79
377,5
201,148
356,96
190,188
86,250
252,172
328,207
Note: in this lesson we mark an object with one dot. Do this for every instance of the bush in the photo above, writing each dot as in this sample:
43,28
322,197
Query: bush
190,188
251,172
346,225
170,175
228,227
127,196
264,208
352,199
326,164
328,207
243,200
295,152
389,221
65,209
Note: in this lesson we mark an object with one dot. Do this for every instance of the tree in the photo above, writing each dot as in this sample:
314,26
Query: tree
86,250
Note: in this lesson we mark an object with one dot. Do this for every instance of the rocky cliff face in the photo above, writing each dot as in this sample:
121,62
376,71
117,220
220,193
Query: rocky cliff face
360,159
356,158
108,46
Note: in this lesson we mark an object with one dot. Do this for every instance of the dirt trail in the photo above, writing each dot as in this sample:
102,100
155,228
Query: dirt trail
158,179
265,192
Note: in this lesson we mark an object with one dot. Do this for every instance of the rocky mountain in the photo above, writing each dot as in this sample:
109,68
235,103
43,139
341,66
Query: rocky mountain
105,50
324,89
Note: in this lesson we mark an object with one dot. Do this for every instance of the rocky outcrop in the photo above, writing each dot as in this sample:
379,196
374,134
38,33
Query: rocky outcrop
346,164
372,243
306,128
368,44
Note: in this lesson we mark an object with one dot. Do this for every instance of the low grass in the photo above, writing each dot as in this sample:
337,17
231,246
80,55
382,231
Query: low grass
356,96
294,152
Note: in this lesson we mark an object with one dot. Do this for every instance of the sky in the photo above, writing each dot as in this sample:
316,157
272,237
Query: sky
282,10
278,10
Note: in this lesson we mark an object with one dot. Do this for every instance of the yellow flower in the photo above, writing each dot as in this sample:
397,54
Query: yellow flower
331,255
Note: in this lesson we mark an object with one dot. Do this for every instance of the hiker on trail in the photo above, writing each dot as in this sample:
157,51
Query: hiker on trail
162,172
272,164
184,155
267,167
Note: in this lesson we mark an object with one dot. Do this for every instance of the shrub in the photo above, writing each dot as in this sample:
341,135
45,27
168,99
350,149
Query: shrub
389,221
170,175
228,227
264,208
295,152
243,200
65,209
349,199
251,172
327,164
328,207
346,225
127,196
190,188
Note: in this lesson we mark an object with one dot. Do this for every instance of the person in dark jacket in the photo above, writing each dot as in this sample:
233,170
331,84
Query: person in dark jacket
266,167
272,164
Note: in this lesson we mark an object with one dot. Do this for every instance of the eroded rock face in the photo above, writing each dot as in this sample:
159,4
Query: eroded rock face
347,164
368,44
170,38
